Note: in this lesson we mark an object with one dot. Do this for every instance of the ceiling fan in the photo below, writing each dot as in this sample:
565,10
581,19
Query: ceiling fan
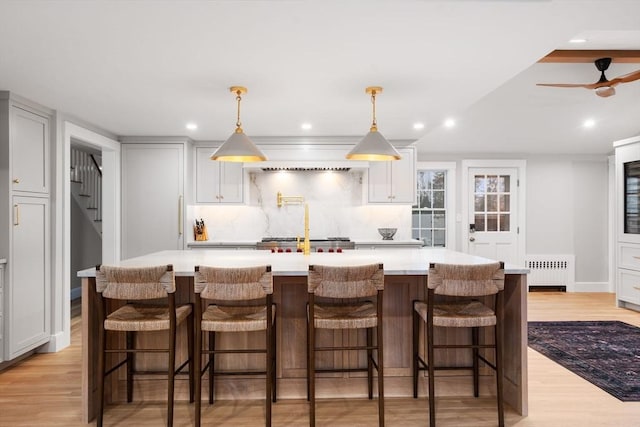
602,87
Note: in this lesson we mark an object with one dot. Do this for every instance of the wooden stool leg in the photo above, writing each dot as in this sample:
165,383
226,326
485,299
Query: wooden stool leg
308,358
268,357
311,363
370,362
430,363
212,362
190,344
171,371
102,345
130,344
198,366
415,344
498,331
380,375
476,365
274,358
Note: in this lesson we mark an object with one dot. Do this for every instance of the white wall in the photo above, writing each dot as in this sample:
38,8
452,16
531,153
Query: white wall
566,211
568,214
549,211
590,212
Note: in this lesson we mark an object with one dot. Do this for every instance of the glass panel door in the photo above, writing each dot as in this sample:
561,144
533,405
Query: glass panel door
632,197
492,203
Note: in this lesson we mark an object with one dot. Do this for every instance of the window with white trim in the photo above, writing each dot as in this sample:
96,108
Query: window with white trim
429,215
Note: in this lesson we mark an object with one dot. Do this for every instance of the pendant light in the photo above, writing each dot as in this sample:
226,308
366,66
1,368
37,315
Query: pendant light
238,147
373,146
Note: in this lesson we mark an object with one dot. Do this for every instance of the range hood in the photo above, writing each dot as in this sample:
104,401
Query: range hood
311,158
306,165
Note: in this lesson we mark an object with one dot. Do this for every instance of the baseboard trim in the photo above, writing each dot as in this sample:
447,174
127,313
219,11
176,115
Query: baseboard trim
591,287
56,343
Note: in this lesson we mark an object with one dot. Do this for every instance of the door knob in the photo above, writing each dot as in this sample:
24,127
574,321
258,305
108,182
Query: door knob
472,239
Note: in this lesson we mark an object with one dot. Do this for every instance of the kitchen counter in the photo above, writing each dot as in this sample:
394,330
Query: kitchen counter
391,244
397,262
217,244
405,279
251,244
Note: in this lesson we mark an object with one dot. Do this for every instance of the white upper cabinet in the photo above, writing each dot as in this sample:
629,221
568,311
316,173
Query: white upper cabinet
217,182
393,181
627,188
29,151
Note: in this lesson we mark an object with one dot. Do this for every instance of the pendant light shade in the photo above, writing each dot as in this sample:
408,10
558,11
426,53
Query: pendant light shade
238,147
374,146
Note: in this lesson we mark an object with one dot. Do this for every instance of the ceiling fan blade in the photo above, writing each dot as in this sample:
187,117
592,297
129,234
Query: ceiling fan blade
626,78
588,86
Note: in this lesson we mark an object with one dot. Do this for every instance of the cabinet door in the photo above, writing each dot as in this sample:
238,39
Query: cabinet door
393,181
207,176
29,283
231,182
379,182
628,286
152,198
403,178
217,182
29,151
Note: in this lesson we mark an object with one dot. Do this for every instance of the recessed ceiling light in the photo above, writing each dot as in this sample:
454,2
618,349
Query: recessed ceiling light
192,126
578,40
418,126
589,123
306,126
449,123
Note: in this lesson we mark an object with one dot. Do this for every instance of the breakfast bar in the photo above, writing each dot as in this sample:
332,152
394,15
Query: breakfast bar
405,278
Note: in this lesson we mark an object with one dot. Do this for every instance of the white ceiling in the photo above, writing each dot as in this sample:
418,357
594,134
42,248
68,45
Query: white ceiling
149,67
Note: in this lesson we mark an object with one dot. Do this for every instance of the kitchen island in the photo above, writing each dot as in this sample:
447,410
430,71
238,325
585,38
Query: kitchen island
405,277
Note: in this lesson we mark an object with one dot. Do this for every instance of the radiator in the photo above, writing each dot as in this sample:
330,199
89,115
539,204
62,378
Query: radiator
552,271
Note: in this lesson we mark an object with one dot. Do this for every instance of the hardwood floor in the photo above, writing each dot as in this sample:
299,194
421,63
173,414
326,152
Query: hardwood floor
44,390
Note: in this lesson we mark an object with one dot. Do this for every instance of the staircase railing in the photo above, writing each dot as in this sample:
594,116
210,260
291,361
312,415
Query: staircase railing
86,171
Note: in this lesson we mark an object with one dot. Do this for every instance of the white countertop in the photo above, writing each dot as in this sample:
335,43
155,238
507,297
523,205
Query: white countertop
241,243
389,242
398,262
226,243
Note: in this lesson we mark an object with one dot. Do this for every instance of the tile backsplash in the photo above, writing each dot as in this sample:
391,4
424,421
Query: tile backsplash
336,208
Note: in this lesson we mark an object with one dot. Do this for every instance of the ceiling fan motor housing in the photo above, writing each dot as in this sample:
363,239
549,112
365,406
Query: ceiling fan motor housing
602,64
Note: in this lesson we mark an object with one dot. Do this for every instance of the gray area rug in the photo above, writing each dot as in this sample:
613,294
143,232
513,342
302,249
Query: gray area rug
605,353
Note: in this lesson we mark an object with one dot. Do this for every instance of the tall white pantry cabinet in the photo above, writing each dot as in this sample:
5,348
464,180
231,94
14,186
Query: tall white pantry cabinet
627,188
25,224
153,194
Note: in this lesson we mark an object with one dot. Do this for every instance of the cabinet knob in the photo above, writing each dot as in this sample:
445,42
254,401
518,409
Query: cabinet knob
16,181
221,197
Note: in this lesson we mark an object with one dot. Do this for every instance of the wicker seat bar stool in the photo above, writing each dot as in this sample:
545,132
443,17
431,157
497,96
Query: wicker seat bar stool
228,287
461,296
342,305
142,288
